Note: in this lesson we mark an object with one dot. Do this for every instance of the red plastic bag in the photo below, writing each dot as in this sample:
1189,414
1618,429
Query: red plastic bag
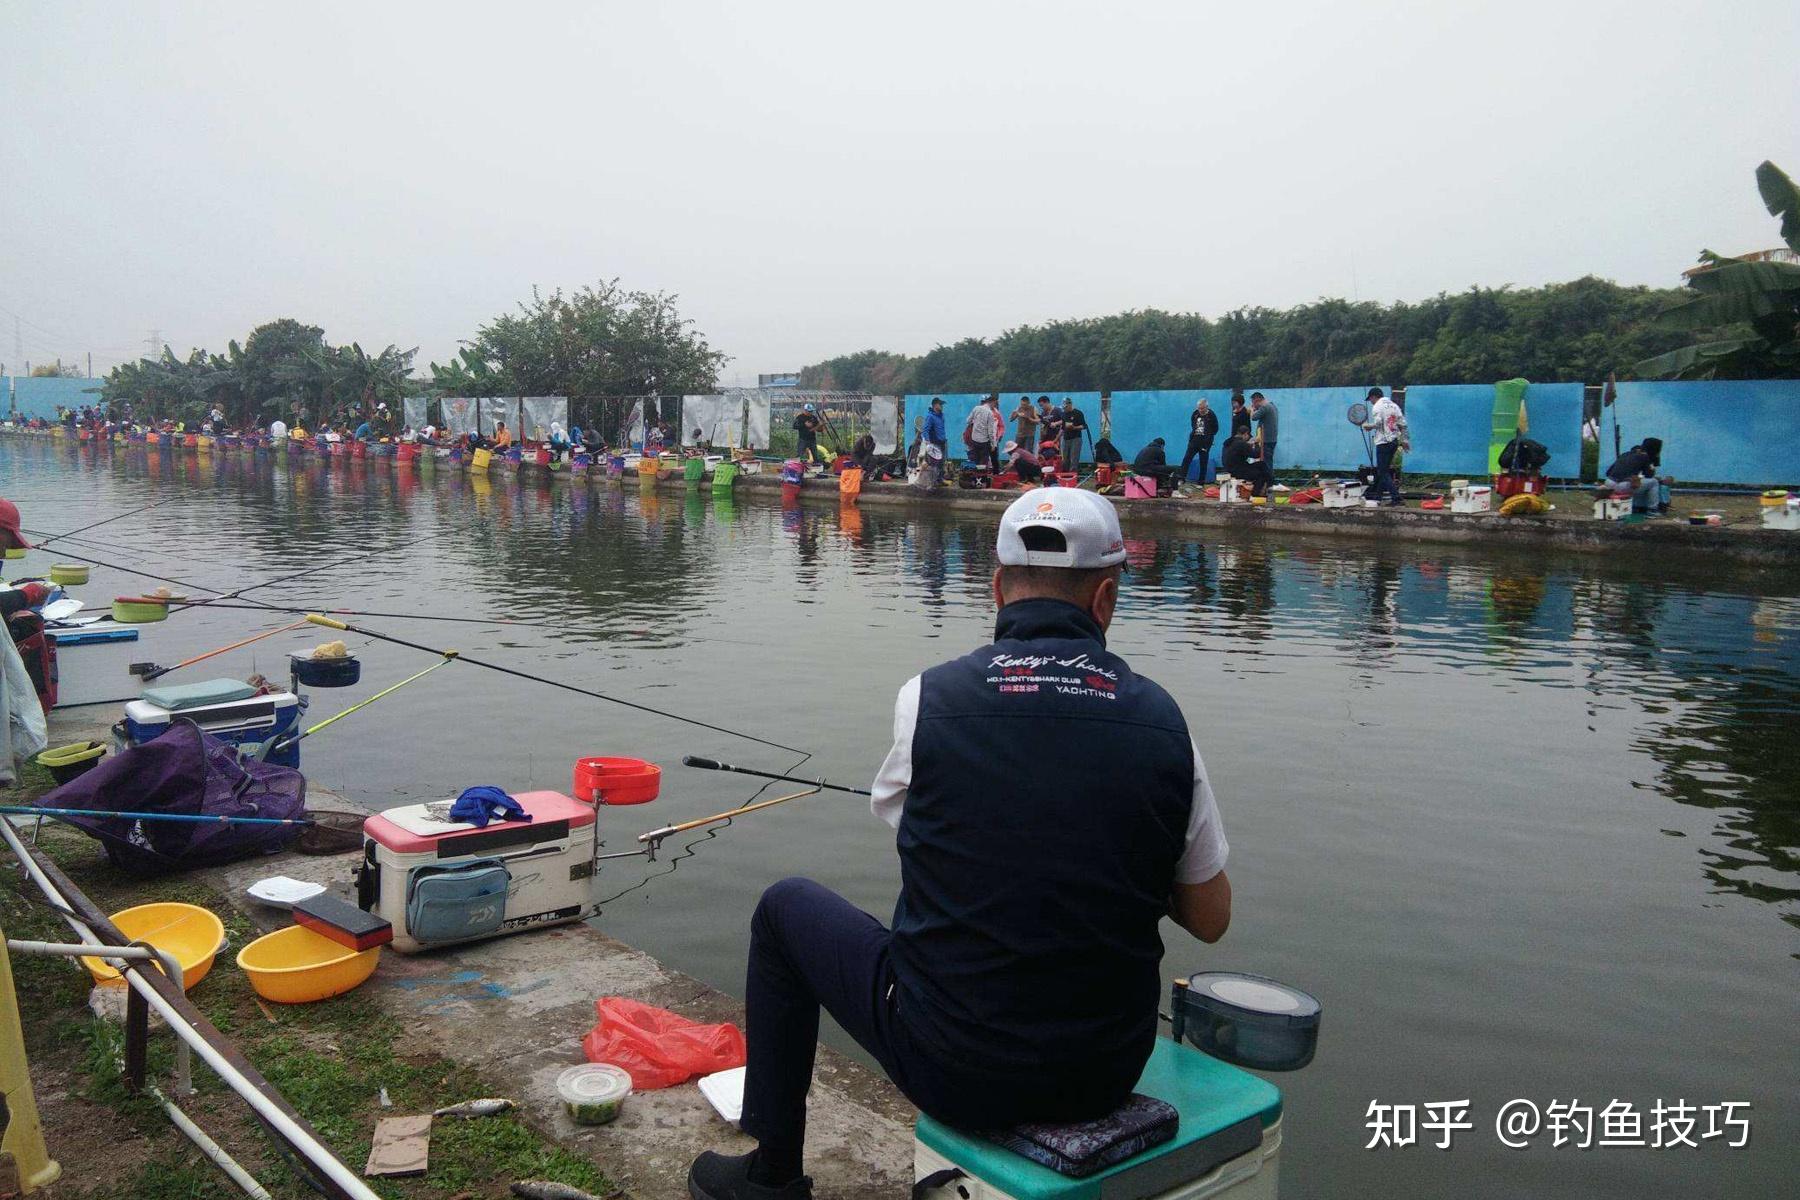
657,1047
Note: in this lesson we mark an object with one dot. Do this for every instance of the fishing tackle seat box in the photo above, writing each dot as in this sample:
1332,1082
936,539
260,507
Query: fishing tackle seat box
1228,1143
239,721
439,888
101,670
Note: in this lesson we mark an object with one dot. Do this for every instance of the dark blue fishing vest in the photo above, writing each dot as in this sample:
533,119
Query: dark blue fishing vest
1048,807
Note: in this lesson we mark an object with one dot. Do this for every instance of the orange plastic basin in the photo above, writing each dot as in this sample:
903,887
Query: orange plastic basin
192,934
297,966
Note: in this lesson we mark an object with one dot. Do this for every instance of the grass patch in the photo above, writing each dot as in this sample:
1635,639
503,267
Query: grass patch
331,1061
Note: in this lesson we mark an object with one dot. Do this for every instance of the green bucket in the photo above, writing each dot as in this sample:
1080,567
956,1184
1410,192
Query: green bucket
723,476
694,470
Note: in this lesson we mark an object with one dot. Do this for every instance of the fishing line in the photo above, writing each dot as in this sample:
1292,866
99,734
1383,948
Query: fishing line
555,627
57,537
331,623
688,850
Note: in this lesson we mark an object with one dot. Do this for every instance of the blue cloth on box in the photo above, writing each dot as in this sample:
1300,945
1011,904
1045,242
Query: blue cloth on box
1082,1148
479,805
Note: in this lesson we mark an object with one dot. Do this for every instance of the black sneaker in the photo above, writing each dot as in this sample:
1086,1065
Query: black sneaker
717,1176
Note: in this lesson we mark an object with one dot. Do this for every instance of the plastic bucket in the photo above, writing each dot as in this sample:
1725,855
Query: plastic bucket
593,1093
66,762
694,470
480,459
326,672
139,610
68,573
607,780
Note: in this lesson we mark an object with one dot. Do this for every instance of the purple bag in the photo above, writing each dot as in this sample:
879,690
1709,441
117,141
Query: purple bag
184,771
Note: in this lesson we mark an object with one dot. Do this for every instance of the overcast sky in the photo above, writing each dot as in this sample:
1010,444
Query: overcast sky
818,179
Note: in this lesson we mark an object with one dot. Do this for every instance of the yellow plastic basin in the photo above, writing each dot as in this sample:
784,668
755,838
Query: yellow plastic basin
191,933
296,965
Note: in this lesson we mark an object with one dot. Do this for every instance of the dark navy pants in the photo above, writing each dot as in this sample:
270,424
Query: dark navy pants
811,949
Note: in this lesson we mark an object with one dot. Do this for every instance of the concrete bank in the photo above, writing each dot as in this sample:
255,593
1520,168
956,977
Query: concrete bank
1570,529
514,1009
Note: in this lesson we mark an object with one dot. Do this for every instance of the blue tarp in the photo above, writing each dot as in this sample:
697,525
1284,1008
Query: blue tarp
39,397
1139,416
1315,433
1725,431
1452,424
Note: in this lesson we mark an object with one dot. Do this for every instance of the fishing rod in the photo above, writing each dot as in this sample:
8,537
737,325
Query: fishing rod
57,537
26,810
655,837
331,623
713,764
340,562
151,672
509,622
282,743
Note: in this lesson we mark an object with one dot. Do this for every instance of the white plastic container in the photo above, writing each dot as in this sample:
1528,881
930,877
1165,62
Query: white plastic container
1342,493
1227,488
93,662
594,1093
550,861
1609,508
1782,516
1470,498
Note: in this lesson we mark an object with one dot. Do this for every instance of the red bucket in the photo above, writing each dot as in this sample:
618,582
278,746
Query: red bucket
406,452
616,780
359,449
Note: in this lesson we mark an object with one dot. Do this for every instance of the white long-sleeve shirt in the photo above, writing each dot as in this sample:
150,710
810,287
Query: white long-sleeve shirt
1202,857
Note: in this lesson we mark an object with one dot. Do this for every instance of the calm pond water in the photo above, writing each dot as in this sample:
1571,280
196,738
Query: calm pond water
1526,826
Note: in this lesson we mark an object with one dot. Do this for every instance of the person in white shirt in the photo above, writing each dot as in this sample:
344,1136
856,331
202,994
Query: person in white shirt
1387,423
984,432
278,429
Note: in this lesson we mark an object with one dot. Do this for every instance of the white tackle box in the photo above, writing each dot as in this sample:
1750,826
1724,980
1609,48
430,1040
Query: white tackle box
440,882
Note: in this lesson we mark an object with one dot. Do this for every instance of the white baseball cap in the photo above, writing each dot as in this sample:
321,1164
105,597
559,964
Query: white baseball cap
1087,523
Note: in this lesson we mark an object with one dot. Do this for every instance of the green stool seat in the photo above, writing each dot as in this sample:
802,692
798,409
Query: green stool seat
1225,1113
175,697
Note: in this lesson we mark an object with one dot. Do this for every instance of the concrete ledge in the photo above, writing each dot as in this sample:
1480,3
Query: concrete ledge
1577,534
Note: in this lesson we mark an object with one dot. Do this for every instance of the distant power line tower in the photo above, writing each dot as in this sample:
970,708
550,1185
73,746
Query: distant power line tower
155,343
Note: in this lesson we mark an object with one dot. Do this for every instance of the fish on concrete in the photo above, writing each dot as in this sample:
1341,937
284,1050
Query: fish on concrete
545,1189
487,1106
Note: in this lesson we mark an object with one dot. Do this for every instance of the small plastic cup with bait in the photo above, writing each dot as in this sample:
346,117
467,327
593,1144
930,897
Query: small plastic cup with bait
593,1093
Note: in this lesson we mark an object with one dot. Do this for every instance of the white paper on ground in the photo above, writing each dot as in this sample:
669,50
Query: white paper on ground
282,891
725,1092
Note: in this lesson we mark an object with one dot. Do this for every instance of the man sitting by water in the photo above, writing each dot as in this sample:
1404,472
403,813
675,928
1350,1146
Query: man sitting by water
1051,808
1239,460
1153,463
1633,474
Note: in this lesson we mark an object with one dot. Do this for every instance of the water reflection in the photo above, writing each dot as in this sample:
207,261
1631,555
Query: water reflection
1702,668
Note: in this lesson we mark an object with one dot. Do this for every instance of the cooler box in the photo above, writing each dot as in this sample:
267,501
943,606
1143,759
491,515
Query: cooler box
1470,498
94,663
1516,483
1228,1144
1342,493
239,722
440,882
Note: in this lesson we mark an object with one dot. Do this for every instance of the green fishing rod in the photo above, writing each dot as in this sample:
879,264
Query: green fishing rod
345,627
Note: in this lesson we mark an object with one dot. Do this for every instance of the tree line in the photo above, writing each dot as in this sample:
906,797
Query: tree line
1566,332
600,341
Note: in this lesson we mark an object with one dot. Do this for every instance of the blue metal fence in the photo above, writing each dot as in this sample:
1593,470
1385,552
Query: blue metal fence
1723,431
40,397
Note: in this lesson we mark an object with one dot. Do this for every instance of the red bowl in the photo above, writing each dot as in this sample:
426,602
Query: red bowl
617,780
